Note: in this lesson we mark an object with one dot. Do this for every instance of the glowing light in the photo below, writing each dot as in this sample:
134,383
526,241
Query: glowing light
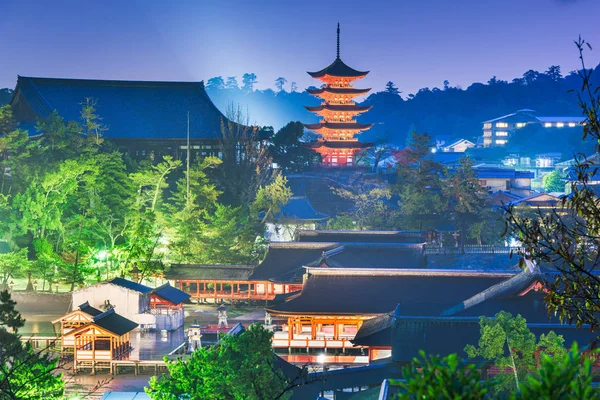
321,358
520,124
560,124
102,254
501,133
548,125
572,124
433,150
501,124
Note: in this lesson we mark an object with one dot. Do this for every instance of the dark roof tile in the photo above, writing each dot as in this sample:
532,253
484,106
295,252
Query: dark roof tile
114,322
171,294
209,272
127,284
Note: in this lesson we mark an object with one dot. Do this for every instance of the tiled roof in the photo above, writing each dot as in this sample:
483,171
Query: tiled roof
373,255
114,322
284,261
338,68
129,109
209,271
86,308
171,294
501,173
127,284
360,236
299,208
419,292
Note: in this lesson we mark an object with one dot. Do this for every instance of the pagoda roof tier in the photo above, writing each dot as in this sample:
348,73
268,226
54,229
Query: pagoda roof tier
338,68
338,126
327,89
347,108
341,144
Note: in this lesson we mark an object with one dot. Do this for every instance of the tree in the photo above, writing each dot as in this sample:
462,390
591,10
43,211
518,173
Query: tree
567,236
216,83
419,185
231,83
553,182
5,96
466,198
371,208
508,343
248,81
24,372
566,376
432,377
11,265
553,72
279,83
531,76
390,88
293,87
238,367
289,151
446,84
271,198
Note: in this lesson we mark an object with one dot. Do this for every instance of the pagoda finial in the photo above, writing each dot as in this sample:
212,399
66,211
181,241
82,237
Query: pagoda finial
338,41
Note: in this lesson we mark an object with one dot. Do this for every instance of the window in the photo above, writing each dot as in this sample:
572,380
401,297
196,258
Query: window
501,124
487,133
572,124
520,124
487,141
501,133
548,125
500,141
560,124
487,125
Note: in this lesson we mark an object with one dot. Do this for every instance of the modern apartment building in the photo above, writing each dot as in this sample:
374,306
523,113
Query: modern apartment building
497,131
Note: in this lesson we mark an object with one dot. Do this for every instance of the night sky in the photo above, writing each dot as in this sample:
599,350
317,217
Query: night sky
416,43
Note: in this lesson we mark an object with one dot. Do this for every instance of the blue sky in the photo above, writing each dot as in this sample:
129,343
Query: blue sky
415,43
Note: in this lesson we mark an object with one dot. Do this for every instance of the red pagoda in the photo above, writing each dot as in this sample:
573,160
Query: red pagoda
338,144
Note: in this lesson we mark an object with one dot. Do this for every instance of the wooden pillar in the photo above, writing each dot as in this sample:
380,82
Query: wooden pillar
335,329
197,289
232,284
290,329
215,290
93,354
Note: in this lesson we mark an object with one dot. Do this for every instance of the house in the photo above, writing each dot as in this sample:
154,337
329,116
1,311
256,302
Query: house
297,213
497,131
103,339
501,198
159,308
458,146
144,119
504,179
84,314
538,200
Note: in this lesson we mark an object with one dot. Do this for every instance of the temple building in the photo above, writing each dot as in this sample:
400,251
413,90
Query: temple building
338,128
144,119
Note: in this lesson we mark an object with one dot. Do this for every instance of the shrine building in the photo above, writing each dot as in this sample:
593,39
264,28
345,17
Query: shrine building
338,128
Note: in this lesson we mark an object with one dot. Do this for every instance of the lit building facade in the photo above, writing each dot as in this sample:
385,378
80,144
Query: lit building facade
497,131
338,128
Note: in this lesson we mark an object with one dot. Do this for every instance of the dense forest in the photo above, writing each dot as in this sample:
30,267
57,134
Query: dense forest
450,110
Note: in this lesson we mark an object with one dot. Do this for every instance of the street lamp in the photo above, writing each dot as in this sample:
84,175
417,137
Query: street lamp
35,284
12,285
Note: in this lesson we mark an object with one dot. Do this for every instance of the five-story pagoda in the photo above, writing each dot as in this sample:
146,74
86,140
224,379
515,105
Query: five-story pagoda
338,144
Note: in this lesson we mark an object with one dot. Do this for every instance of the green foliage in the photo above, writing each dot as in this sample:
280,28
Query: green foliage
553,182
238,367
342,222
562,376
271,198
508,343
371,208
13,264
289,152
432,377
26,373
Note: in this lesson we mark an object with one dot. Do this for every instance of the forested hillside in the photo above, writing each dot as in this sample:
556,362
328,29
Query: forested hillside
453,111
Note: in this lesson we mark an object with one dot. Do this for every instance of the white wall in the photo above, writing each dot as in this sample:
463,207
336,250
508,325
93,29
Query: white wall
127,303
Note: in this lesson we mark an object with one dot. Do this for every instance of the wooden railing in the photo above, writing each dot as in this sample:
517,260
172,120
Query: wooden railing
472,249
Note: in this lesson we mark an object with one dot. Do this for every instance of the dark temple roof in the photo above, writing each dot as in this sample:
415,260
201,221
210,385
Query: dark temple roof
338,125
328,89
338,68
298,208
171,294
127,284
372,255
345,107
215,272
114,322
284,261
419,292
89,310
129,109
305,235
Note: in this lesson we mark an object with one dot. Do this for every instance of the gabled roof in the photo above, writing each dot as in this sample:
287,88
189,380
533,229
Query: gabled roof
114,322
501,173
459,141
338,68
86,308
171,294
338,125
419,292
209,272
372,255
129,109
283,261
538,200
342,236
327,89
299,208
127,284
344,107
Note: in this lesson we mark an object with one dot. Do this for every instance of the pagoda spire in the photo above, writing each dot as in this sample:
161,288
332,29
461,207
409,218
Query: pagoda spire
338,42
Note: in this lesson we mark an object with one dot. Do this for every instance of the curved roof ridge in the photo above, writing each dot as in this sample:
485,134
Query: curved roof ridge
301,245
411,272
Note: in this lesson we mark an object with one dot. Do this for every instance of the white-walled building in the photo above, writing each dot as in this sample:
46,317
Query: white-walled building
159,308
